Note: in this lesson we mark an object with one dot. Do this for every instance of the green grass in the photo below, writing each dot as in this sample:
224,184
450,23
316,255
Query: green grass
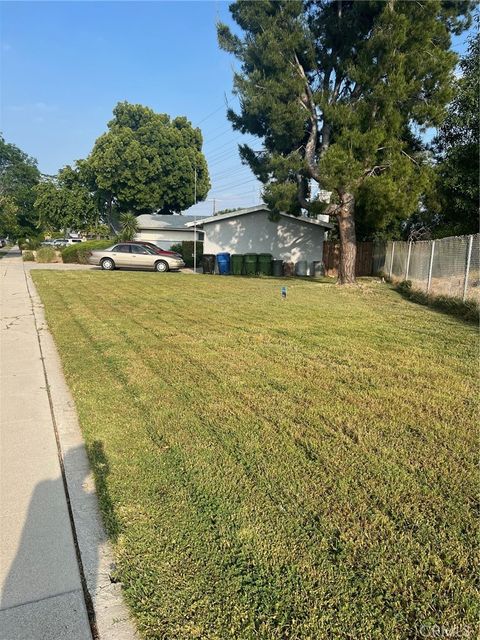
299,469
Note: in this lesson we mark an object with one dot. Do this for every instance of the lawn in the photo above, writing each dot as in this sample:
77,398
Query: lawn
268,469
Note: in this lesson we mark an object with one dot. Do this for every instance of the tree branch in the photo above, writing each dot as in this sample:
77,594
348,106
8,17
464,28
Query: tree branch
326,130
304,203
336,88
409,157
380,168
311,146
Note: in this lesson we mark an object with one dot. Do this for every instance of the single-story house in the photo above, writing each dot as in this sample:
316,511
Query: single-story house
290,238
165,230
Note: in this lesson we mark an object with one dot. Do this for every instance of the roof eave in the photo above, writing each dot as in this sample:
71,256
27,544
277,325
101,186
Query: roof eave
316,223
234,214
163,228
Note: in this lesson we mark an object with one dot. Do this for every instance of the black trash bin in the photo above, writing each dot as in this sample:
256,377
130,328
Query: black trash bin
208,263
277,267
318,270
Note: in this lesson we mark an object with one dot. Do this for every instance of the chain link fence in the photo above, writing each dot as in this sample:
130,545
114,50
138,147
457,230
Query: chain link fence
447,267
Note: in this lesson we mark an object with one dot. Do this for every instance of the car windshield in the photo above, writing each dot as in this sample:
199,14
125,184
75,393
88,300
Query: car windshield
149,249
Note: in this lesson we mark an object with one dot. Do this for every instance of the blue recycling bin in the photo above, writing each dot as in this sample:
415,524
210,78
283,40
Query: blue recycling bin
223,261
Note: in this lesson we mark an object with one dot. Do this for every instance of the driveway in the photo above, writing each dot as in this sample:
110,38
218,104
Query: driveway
59,266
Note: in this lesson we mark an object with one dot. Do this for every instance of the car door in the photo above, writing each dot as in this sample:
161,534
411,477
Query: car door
121,255
142,257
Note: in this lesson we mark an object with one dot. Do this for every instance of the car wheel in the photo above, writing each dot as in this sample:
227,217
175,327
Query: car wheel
107,264
161,266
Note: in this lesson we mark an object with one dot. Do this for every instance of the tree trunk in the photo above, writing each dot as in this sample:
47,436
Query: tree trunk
348,243
110,215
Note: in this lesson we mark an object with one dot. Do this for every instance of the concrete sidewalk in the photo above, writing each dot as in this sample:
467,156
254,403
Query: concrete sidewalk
54,554
41,592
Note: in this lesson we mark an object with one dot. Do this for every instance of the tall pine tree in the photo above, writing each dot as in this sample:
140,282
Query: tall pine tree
339,91
456,145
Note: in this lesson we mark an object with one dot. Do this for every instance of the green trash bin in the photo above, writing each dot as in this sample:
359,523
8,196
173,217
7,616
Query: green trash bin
236,264
250,262
265,264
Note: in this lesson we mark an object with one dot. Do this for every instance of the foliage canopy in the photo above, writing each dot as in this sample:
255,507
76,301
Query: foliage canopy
18,175
456,207
338,92
146,161
67,202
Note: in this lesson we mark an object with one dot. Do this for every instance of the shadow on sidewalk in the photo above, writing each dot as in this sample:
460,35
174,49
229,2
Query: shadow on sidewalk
45,564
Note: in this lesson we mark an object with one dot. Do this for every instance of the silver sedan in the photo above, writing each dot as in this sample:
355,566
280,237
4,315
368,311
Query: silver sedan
134,256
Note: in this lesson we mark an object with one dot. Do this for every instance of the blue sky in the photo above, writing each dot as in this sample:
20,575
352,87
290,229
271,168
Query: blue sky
64,66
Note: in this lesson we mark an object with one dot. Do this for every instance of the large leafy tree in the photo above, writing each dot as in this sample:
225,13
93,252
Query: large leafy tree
18,176
456,206
67,202
338,92
148,162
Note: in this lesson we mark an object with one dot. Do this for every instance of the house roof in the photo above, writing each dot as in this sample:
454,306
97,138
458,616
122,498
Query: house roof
173,222
261,207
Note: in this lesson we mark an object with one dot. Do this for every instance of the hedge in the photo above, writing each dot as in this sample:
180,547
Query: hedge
79,251
185,249
46,254
31,244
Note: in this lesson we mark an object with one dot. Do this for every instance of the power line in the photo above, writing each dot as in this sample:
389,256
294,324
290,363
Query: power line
210,115
233,186
222,154
223,158
230,172
234,175
220,158
229,130
221,146
213,161
238,195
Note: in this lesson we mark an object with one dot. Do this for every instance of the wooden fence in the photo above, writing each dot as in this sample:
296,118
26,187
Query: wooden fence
363,263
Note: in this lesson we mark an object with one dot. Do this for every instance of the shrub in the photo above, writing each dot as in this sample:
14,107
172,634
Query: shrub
28,256
46,254
31,244
185,249
79,251
468,310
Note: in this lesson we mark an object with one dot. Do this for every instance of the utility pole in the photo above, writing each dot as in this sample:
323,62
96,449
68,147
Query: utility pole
195,226
214,206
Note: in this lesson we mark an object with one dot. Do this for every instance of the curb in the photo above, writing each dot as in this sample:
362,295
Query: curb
112,620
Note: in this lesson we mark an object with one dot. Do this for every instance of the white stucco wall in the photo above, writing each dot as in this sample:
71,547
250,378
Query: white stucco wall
168,237
286,239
